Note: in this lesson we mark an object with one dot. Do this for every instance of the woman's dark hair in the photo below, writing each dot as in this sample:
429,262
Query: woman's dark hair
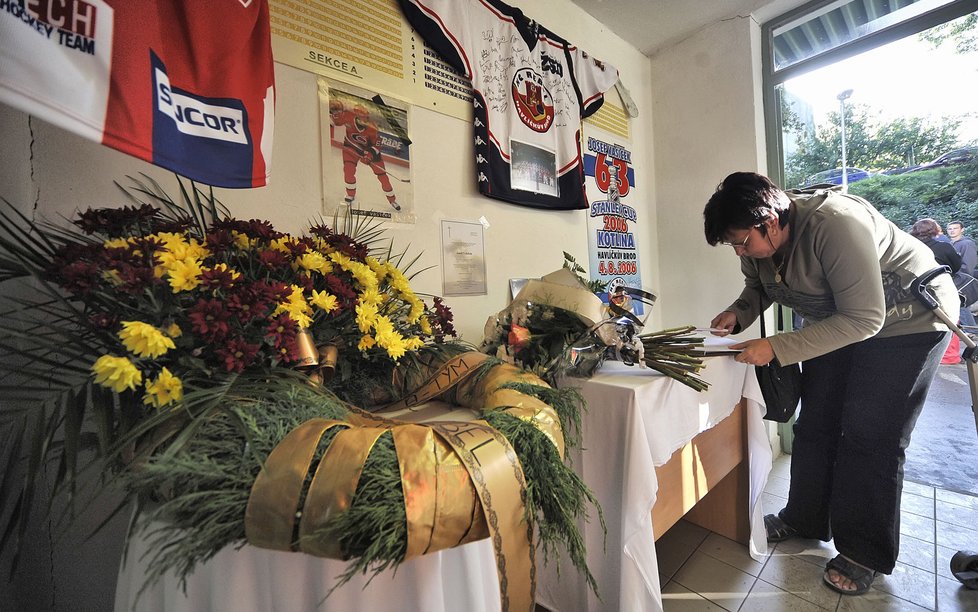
742,201
925,228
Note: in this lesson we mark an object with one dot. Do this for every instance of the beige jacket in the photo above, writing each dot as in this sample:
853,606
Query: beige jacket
847,273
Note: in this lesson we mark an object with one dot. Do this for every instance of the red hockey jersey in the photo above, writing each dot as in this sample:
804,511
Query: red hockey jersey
183,84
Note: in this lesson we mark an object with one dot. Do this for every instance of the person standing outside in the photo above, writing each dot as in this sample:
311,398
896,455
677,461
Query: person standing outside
869,350
969,260
964,246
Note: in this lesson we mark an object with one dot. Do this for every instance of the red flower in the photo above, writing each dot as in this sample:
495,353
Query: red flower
519,337
237,354
218,241
443,320
209,319
78,278
272,259
281,332
216,278
345,295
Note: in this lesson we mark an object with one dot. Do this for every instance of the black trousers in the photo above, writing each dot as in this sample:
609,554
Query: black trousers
859,405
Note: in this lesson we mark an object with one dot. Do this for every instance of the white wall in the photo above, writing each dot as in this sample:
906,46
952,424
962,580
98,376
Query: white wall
53,173
707,122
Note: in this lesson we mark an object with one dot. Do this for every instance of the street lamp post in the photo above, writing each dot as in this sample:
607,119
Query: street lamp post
842,124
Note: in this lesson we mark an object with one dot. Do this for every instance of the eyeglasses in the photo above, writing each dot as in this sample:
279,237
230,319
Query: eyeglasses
739,245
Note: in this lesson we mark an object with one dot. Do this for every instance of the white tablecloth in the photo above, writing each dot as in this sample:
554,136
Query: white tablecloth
636,419
258,580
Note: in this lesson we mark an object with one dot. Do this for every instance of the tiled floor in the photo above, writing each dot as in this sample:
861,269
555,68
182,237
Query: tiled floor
702,571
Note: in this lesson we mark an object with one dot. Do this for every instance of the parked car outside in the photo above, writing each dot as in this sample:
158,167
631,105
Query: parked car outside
951,158
834,176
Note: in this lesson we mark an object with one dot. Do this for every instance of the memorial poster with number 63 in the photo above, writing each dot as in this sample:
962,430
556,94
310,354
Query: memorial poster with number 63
612,247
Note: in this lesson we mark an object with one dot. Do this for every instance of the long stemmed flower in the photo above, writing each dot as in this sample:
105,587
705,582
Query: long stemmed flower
674,353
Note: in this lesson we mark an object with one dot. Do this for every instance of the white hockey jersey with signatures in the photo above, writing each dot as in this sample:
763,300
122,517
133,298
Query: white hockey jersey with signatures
531,90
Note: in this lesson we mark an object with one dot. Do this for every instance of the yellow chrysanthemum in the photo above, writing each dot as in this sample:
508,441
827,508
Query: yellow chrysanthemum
384,332
414,343
184,275
371,296
174,331
174,248
144,340
425,325
116,373
314,261
366,315
282,244
197,250
366,342
364,275
417,309
340,259
394,343
378,268
112,277
324,300
117,243
163,391
297,308
242,241
400,284
301,319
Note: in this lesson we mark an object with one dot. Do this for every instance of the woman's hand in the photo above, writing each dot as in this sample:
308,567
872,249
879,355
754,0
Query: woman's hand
754,352
725,320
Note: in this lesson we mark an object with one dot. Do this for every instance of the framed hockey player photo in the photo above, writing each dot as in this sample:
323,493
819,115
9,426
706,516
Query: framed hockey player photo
533,169
366,153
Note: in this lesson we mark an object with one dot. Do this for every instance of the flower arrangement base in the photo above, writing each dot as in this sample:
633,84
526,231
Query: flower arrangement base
462,481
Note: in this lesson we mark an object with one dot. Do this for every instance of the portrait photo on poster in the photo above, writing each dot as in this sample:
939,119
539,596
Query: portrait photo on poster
366,153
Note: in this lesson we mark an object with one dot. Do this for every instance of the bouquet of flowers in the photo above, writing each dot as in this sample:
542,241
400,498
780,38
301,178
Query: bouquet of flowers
557,326
182,346
169,298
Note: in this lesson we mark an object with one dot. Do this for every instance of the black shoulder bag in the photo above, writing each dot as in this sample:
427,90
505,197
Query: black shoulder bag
780,385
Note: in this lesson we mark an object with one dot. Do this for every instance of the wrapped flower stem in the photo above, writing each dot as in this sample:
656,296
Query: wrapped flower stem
675,353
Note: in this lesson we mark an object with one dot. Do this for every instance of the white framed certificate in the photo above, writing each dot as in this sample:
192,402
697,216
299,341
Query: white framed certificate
463,258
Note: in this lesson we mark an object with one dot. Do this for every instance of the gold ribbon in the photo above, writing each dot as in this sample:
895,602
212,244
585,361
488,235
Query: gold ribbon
462,481
271,512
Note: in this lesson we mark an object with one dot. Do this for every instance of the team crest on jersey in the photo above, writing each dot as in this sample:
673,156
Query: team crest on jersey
534,104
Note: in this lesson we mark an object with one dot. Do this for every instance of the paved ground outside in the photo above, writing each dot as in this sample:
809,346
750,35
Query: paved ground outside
943,450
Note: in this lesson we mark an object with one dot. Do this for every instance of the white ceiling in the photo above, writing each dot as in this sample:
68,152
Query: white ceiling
650,25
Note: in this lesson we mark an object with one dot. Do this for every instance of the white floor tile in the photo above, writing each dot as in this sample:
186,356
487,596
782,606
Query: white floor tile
800,578
910,583
677,545
952,596
765,597
718,582
677,598
917,504
732,553
918,553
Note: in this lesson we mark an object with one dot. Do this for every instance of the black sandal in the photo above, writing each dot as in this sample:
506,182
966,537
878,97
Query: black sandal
860,576
777,529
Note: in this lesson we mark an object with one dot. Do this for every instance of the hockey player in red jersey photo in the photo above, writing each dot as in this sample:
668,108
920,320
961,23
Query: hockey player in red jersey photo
361,144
